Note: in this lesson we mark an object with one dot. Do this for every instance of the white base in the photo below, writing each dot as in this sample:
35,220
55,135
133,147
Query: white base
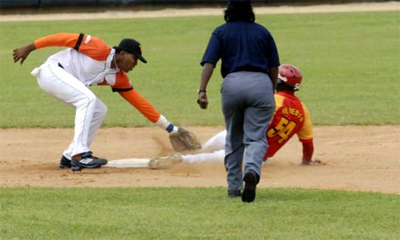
129,163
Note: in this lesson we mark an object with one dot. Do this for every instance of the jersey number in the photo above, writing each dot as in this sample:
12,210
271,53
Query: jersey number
283,129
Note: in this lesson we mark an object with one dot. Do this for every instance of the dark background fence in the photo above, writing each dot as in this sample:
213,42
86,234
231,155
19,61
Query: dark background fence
40,4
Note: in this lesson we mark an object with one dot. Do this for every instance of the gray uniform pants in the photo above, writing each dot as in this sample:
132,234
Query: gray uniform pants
248,105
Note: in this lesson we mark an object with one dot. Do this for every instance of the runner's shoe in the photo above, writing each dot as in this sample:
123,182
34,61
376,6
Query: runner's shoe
164,162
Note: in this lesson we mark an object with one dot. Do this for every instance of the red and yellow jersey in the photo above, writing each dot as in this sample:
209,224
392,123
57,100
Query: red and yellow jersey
89,60
291,117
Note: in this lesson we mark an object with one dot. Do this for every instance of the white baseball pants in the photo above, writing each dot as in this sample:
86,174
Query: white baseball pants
90,111
214,150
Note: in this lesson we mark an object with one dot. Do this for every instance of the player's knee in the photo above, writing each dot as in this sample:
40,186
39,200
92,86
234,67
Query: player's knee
91,98
87,100
103,109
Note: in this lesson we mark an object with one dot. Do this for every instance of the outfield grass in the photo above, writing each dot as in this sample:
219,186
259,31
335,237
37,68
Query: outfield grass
350,63
195,213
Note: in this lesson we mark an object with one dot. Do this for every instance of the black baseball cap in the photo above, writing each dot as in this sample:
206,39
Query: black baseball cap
239,4
132,46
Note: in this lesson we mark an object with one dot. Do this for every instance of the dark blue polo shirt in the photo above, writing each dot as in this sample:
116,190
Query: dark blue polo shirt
242,46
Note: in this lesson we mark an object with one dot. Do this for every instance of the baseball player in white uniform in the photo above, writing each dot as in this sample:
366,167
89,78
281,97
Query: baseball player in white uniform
67,76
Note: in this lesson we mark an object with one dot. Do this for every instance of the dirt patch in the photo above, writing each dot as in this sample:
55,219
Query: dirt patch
358,159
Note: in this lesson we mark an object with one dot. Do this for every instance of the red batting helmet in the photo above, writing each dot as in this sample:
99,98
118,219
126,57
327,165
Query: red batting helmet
290,75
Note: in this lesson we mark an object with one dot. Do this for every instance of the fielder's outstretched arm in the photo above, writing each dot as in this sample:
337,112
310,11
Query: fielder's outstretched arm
147,109
180,138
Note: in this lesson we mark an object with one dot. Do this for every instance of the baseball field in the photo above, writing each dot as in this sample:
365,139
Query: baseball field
351,66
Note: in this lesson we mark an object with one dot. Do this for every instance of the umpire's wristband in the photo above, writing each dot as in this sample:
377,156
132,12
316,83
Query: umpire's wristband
201,90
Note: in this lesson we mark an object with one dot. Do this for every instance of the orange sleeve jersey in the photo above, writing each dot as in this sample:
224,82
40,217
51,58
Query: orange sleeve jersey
124,88
93,47
291,117
89,60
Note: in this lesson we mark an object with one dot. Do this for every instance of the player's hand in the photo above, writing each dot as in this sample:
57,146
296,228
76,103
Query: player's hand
311,162
202,100
22,53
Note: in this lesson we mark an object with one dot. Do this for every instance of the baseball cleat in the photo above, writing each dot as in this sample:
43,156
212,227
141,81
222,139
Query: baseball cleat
249,192
86,160
65,162
164,162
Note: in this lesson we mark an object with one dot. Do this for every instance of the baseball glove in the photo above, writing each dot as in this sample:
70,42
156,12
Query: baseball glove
184,140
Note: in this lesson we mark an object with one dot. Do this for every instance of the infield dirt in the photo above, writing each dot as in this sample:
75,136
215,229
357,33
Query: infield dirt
358,158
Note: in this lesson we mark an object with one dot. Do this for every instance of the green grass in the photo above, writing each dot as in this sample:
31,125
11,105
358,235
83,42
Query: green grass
350,63
195,213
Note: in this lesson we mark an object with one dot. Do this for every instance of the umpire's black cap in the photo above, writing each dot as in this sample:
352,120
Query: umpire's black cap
239,4
132,46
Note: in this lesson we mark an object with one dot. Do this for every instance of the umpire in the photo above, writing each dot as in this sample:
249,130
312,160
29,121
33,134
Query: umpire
249,67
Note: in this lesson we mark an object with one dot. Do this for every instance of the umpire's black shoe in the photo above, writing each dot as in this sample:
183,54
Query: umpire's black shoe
234,193
86,160
249,192
65,162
